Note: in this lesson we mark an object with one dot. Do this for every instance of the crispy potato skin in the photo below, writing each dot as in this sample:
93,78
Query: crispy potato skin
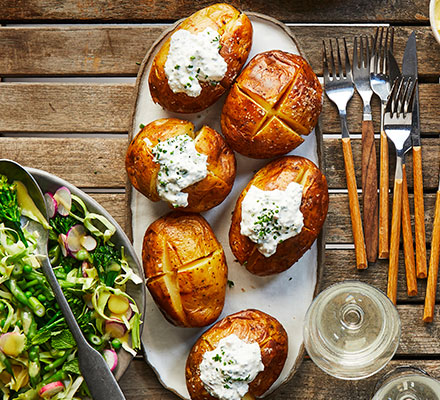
277,175
236,40
204,195
186,269
250,326
276,99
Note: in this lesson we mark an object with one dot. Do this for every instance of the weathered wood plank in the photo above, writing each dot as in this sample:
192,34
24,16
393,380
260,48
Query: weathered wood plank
65,107
335,163
141,10
339,223
83,162
94,107
115,204
112,51
340,265
99,162
310,382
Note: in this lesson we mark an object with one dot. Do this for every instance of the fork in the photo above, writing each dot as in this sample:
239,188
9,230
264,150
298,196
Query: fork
381,82
361,77
397,125
340,89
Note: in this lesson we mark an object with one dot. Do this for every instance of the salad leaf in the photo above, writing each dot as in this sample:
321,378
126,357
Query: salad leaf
72,367
64,340
41,337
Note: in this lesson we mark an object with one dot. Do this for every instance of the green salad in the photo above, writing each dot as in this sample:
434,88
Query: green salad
38,355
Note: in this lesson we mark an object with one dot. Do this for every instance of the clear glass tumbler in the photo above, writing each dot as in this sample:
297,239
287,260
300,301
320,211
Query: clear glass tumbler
351,330
407,383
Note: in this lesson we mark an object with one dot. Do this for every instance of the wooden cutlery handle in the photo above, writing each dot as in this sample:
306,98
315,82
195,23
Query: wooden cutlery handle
419,213
408,245
394,241
431,288
384,244
355,212
369,191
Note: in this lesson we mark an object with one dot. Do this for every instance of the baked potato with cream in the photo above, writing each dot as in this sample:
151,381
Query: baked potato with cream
156,179
185,85
276,99
313,205
186,269
250,326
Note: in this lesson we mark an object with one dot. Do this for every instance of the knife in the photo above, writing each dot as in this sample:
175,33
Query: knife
409,70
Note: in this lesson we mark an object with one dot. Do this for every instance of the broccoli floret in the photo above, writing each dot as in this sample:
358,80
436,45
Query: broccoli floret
9,210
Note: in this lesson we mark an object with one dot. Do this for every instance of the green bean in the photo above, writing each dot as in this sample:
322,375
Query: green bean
31,283
37,307
57,376
57,363
95,340
34,365
11,284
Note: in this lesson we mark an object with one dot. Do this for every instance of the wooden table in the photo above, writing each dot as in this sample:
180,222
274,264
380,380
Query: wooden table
53,116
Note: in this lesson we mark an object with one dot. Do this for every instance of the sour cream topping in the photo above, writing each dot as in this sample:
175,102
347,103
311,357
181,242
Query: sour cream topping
194,58
270,217
181,165
227,370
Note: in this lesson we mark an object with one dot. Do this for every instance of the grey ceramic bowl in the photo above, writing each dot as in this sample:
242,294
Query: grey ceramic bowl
50,183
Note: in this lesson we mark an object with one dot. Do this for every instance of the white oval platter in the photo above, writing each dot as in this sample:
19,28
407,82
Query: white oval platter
285,296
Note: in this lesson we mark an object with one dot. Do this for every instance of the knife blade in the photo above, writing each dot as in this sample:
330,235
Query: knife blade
409,70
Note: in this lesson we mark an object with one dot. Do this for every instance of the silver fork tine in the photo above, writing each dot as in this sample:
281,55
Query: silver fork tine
348,71
332,61
325,62
340,69
361,51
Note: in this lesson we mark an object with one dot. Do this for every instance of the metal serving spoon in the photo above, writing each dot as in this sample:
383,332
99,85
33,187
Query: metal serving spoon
97,375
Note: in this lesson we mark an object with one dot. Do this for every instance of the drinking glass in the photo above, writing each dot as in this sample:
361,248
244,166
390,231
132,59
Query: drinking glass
351,330
407,383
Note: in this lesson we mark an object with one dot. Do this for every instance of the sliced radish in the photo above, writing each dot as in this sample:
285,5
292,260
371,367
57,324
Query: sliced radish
111,358
74,237
51,204
12,343
115,329
51,389
118,317
62,238
88,242
63,198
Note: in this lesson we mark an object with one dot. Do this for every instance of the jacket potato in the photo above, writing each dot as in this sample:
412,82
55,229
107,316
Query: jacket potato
250,326
233,45
186,269
276,99
145,173
313,206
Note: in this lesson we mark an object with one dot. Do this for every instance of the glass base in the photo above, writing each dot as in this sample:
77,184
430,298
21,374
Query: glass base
351,330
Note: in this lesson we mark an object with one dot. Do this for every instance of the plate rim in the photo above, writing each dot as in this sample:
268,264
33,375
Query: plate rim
320,241
39,173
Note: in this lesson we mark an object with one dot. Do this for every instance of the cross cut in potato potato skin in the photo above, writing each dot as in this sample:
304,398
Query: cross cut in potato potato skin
276,99
314,205
186,269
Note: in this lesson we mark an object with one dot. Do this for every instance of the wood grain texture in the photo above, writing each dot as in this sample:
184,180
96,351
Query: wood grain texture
419,213
369,191
115,50
151,10
84,162
355,212
396,220
384,198
140,383
338,217
335,165
408,243
433,265
65,107
94,107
